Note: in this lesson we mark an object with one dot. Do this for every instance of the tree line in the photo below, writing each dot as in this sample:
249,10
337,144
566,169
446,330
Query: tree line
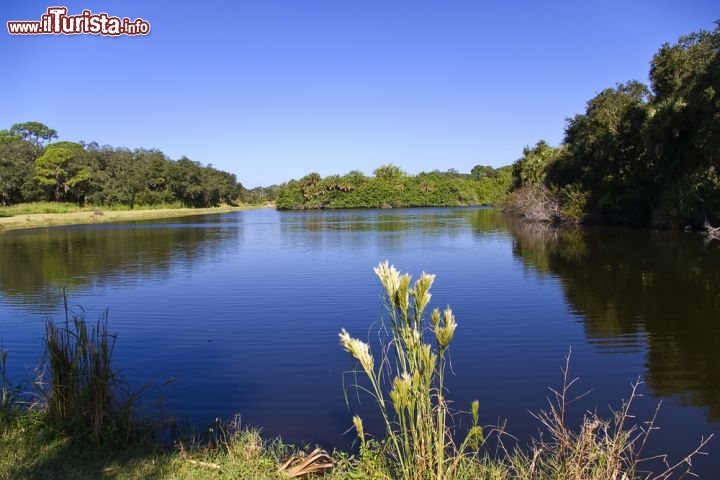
390,186
641,155
33,169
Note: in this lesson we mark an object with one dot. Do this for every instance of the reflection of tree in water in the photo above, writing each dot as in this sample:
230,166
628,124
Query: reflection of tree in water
486,221
391,220
664,286
388,228
358,230
35,266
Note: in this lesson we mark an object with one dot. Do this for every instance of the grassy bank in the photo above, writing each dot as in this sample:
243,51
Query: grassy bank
33,449
29,452
50,214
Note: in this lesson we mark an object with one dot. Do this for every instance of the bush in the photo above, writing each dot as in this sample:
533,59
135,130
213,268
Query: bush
535,203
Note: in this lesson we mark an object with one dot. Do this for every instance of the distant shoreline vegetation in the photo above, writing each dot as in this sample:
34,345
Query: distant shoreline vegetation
391,187
34,170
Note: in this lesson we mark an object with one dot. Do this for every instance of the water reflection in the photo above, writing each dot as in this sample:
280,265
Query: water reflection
243,309
36,266
386,230
660,290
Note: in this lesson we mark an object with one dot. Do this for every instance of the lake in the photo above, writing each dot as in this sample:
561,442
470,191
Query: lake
242,311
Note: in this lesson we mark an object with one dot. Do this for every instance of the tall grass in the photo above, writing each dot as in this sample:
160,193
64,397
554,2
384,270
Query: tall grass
408,382
5,388
7,392
84,395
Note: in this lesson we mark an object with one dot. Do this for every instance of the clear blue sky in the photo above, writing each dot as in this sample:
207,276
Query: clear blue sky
274,89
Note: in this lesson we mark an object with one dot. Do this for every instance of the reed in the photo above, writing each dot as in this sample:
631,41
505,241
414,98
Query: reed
84,395
7,392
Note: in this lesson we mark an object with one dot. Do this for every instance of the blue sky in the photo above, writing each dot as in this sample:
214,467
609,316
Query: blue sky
273,89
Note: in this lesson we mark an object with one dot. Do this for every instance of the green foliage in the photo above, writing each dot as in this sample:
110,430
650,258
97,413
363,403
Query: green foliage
608,155
260,195
34,132
80,173
573,203
290,196
391,187
532,168
482,171
388,172
17,170
683,132
637,157
51,169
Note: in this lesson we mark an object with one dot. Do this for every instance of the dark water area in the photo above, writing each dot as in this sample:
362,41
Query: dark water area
242,311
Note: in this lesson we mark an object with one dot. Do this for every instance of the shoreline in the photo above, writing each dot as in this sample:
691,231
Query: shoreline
96,216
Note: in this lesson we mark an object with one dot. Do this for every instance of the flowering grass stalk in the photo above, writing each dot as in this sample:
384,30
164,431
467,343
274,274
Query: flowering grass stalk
409,378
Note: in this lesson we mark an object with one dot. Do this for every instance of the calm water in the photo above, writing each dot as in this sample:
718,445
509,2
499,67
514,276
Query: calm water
241,311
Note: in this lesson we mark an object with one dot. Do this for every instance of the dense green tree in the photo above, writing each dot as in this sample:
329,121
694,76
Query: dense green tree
683,131
86,172
531,168
290,196
355,177
119,176
260,195
35,132
17,169
607,154
389,172
61,169
484,171
640,156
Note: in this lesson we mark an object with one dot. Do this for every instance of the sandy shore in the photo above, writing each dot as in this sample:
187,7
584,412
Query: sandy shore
36,220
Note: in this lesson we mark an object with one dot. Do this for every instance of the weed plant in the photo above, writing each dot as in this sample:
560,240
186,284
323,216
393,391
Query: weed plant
84,396
408,381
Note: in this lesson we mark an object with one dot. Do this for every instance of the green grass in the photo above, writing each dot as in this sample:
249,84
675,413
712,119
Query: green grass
62,207
31,452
